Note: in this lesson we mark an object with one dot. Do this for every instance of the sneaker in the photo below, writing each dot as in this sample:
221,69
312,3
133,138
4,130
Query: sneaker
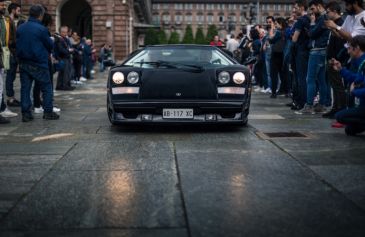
318,108
263,90
27,117
337,125
79,82
92,71
38,110
13,103
83,79
4,120
73,82
307,109
330,114
258,89
56,109
267,91
7,113
51,116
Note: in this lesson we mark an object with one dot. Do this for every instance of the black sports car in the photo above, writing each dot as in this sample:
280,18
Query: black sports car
179,83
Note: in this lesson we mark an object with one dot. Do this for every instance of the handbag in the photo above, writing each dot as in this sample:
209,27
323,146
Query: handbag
6,58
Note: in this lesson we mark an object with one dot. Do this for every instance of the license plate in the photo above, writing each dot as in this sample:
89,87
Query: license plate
178,113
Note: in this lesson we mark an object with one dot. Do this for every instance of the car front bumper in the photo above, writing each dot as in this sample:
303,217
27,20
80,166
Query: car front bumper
233,112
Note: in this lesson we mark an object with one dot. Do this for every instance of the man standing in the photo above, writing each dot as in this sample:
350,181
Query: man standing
14,13
33,50
63,53
354,118
336,50
232,44
216,41
318,39
300,40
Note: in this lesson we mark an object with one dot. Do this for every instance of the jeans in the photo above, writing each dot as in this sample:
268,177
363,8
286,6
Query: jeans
353,118
29,73
301,66
267,64
10,76
317,74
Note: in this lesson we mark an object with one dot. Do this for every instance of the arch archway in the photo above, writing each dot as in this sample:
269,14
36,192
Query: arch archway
76,15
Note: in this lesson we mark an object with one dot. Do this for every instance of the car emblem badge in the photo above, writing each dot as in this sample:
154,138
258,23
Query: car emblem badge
178,94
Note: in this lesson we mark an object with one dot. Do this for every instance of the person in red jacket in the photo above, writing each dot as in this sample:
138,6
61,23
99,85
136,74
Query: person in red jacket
216,41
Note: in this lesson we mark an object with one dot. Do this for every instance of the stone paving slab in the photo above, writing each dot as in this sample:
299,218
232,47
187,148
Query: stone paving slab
259,194
34,149
126,154
99,199
348,179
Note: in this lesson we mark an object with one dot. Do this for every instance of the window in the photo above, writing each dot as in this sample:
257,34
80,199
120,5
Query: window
178,18
210,18
242,19
220,6
166,17
210,7
155,6
200,18
231,6
268,7
178,6
188,18
279,7
233,18
200,6
165,6
156,18
221,18
188,6
243,7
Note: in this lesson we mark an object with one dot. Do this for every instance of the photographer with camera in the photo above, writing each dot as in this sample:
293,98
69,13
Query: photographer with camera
354,118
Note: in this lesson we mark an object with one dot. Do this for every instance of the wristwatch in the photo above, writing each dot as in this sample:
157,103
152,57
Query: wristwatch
338,28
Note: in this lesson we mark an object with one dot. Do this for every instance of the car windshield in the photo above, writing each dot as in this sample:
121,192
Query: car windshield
152,57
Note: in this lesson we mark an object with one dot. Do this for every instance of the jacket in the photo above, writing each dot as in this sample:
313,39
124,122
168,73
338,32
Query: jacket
358,78
318,34
33,44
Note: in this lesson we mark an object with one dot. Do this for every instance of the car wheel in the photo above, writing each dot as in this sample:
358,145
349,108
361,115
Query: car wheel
110,112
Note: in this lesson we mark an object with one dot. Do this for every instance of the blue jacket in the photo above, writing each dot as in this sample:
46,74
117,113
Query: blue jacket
318,34
33,43
357,77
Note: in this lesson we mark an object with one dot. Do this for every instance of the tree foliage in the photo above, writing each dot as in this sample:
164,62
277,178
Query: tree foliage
174,38
162,39
199,36
212,31
151,37
188,37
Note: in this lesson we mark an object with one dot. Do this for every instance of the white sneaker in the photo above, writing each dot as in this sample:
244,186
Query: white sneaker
56,109
7,113
92,71
79,82
73,82
258,89
83,79
268,90
38,110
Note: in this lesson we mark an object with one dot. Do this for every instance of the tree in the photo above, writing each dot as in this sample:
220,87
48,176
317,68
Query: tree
151,37
212,31
188,37
199,36
174,38
162,39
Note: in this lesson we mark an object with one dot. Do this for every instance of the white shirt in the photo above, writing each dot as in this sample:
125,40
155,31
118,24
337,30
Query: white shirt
232,45
352,24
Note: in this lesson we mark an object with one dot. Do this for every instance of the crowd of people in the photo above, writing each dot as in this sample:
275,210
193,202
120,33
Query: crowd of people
28,45
316,57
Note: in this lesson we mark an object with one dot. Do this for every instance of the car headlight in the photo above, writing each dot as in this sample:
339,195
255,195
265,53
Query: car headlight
133,77
223,77
118,78
239,78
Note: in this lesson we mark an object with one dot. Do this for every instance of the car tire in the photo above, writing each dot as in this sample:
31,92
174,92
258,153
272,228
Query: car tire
110,112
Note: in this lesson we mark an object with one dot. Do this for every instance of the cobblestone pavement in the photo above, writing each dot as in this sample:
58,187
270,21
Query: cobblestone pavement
80,176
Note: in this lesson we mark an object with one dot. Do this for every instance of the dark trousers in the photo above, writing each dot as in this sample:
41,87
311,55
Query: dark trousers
301,66
276,69
339,91
29,73
259,73
37,87
64,76
10,76
353,118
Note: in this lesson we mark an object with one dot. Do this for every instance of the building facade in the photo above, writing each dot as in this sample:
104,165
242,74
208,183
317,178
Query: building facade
117,22
227,15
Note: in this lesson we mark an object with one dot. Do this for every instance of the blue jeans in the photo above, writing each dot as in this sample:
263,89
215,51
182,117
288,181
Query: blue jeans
353,118
301,66
317,74
29,73
10,76
268,69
